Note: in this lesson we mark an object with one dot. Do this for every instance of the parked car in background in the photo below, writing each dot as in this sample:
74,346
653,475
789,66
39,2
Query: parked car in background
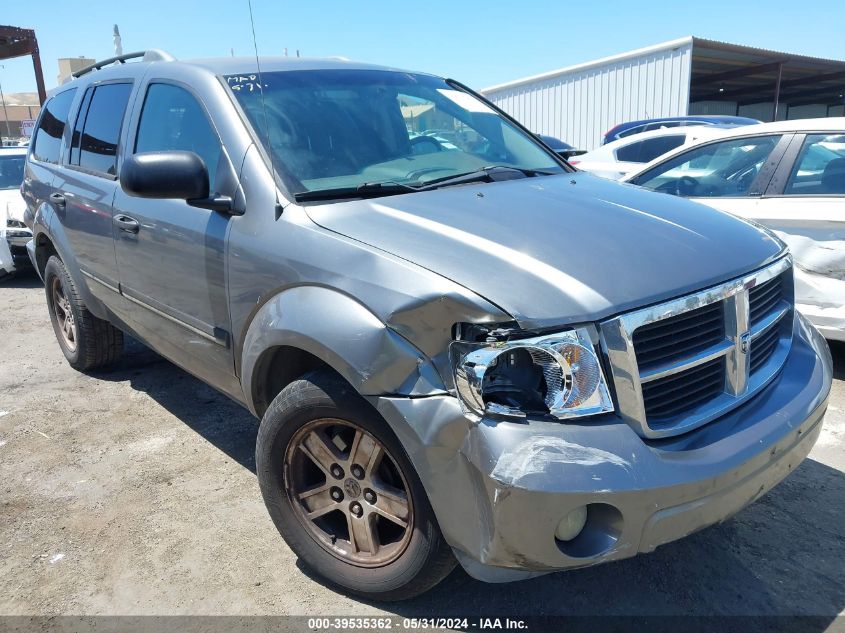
646,125
788,176
475,356
561,148
620,158
14,234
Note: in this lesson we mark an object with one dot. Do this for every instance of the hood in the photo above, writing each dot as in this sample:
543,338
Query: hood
558,249
11,205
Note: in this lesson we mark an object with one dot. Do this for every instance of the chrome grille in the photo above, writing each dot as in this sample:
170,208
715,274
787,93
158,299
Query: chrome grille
763,348
680,364
669,396
762,298
680,335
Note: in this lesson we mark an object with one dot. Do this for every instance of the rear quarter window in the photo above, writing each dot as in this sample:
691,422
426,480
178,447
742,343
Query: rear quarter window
47,144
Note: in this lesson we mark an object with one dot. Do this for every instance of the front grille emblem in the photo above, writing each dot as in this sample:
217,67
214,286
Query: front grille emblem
744,340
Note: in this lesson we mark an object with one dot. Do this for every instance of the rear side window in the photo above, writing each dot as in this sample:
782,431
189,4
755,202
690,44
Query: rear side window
97,130
172,119
48,136
820,168
649,149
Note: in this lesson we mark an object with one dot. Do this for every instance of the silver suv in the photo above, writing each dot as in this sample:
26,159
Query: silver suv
460,348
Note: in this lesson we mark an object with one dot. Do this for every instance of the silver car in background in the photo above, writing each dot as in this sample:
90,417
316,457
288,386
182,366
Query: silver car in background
790,177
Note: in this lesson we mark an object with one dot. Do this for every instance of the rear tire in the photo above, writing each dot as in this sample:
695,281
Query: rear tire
409,560
86,341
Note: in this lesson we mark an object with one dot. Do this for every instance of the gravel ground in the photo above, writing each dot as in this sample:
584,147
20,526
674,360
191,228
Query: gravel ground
133,492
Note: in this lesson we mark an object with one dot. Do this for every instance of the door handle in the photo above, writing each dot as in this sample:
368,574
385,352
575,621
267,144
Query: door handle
58,200
127,224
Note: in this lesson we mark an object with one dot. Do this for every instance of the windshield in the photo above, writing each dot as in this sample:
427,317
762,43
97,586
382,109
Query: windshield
11,171
335,129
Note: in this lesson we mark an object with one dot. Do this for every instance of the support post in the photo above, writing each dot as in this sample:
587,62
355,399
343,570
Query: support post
776,104
39,73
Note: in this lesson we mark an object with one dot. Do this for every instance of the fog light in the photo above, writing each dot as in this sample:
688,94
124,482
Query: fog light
571,525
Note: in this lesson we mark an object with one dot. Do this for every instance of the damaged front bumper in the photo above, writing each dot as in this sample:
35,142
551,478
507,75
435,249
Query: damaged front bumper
499,489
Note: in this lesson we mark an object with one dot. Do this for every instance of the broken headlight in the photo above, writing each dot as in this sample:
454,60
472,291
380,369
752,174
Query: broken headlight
556,374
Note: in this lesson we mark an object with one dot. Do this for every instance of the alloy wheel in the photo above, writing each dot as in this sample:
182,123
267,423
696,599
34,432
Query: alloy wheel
348,492
64,315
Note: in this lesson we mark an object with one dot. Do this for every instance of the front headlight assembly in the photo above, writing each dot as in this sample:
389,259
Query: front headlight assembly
556,374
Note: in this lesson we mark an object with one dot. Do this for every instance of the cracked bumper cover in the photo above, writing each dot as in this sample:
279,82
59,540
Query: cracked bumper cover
499,489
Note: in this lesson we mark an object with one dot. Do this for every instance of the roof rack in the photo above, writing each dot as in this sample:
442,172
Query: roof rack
152,55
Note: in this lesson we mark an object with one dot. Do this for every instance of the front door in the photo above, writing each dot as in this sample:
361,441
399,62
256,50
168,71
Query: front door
170,255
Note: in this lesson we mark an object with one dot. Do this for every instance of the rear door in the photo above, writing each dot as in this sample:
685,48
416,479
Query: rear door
45,151
171,255
88,183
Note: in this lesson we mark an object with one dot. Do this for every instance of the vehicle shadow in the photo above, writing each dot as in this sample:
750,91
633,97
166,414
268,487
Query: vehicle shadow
782,556
225,424
837,350
25,279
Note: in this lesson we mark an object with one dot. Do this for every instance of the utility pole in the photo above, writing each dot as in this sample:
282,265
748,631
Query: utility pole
5,113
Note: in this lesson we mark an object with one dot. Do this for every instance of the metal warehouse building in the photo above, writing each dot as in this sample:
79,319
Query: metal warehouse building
685,76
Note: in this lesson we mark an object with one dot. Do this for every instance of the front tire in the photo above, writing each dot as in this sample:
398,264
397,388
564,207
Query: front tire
86,341
344,495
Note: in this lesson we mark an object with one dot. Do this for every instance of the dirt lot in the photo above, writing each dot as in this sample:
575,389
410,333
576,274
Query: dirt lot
133,492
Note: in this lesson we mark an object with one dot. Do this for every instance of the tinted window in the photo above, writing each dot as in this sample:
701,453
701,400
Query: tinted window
820,168
649,149
172,119
97,131
48,136
11,170
728,168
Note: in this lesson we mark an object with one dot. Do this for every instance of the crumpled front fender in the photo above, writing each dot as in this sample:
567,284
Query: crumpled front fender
342,333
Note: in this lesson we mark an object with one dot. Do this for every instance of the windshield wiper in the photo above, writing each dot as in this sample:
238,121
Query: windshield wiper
364,190
392,187
485,174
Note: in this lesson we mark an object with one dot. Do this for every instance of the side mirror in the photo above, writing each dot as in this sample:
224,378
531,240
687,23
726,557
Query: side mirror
171,174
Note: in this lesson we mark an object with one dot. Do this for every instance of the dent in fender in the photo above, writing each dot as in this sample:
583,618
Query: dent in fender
341,332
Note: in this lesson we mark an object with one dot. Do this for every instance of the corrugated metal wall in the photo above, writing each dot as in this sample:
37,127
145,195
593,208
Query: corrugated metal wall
579,105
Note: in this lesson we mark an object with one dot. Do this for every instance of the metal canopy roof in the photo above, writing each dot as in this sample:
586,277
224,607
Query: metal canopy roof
17,42
745,75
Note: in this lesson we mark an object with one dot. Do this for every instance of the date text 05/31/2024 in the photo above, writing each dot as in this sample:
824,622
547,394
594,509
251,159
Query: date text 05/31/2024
407,624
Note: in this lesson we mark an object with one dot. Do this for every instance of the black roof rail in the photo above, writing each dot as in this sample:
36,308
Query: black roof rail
152,55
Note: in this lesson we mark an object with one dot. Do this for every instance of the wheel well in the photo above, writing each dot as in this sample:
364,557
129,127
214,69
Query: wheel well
44,249
277,368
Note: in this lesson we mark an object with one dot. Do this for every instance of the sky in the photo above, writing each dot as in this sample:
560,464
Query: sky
478,43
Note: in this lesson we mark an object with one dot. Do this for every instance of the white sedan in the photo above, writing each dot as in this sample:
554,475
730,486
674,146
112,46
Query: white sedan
788,176
626,155
14,234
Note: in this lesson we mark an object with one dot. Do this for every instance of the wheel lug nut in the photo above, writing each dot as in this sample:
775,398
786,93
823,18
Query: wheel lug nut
336,494
337,471
357,471
370,496
356,509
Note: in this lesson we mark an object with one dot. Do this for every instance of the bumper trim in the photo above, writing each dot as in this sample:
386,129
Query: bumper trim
675,522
